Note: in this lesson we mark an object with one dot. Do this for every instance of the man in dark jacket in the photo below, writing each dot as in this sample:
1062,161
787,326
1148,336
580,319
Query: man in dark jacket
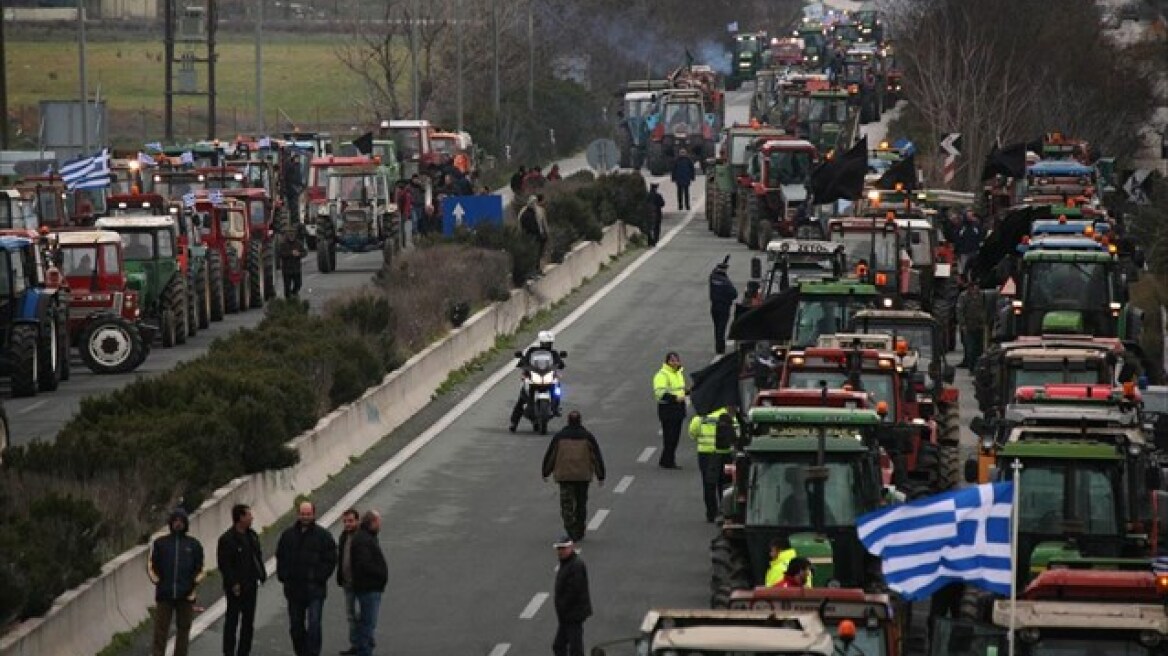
291,253
293,186
241,564
573,457
517,181
305,558
176,568
968,241
654,206
723,294
573,600
683,174
370,575
350,523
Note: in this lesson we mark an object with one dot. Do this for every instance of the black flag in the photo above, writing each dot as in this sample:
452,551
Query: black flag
364,143
903,172
716,386
1009,161
842,177
1002,243
771,321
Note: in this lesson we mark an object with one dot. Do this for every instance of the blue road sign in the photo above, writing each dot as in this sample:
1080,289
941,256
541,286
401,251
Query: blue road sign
470,211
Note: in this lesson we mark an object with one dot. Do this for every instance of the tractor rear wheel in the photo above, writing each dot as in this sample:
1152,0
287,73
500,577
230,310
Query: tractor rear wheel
729,570
167,326
322,259
49,355
270,271
233,291
948,447
110,345
656,159
63,345
941,306
182,320
23,360
752,218
711,208
765,233
723,228
192,317
216,279
255,273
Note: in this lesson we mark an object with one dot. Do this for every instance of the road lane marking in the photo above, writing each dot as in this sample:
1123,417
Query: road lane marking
359,491
646,454
623,485
32,407
598,519
500,649
533,606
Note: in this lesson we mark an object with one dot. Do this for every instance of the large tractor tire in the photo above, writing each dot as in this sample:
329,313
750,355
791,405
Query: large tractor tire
110,345
63,345
192,282
322,259
975,605
255,274
948,446
203,297
270,271
729,570
217,286
49,354
742,227
724,227
657,159
711,208
172,308
233,291
168,327
941,307
752,221
23,361
766,232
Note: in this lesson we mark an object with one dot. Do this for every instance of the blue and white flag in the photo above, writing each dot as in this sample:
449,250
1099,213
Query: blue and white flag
155,146
187,159
264,142
732,27
959,536
1160,564
146,160
87,172
188,199
215,196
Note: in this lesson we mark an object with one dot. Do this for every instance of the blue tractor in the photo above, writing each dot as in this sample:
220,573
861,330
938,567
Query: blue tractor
33,317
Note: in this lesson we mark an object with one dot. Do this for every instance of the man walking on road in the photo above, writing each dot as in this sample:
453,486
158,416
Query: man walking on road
573,600
573,457
305,559
350,521
670,391
370,575
683,174
176,568
723,294
654,206
291,253
241,564
971,317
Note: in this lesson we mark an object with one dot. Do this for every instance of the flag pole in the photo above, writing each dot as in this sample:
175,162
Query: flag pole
1015,520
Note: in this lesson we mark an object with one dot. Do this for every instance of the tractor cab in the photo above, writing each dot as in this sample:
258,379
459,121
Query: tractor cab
879,626
16,213
826,119
827,307
919,344
175,184
792,261
414,146
778,171
150,253
876,253
1099,305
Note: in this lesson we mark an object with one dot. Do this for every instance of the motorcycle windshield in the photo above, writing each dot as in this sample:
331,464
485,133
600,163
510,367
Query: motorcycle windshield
541,361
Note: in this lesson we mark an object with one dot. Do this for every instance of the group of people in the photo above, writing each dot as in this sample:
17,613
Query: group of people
530,180
306,557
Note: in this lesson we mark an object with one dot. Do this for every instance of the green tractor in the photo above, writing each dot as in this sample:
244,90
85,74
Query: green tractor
727,178
806,474
748,49
152,269
830,122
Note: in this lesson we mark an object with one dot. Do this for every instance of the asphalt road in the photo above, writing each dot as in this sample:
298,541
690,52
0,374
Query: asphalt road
41,417
468,522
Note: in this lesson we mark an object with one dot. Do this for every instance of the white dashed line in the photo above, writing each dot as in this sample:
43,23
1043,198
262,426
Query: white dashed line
32,407
646,454
598,519
533,606
500,649
623,485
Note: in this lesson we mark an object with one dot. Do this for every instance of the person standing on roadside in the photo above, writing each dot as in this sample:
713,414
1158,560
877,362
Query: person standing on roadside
723,294
573,457
968,241
517,180
683,175
370,575
670,391
654,207
291,253
971,317
573,600
350,521
241,564
176,568
305,559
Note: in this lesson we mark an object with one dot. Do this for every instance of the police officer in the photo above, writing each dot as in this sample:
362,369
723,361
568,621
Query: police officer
654,206
670,391
722,297
714,435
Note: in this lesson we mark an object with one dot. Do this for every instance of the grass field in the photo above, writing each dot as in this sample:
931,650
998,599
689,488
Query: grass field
301,76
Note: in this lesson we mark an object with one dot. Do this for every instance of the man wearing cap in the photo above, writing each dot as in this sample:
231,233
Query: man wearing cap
654,205
572,599
723,293
573,457
176,568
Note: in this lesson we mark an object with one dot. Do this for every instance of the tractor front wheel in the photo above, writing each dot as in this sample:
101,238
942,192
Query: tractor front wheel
22,358
729,570
217,285
233,291
167,327
49,355
110,345
255,274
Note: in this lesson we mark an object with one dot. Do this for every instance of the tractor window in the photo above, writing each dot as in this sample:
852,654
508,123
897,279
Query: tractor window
79,261
919,337
257,213
1049,283
89,202
781,495
409,143
678,115
138,245
921,246
860,245
109,260
48,206
234,224
165,243
880,386
20,280
1020,377
738,149
1076,497
5,280
8,212
788,167
1073,646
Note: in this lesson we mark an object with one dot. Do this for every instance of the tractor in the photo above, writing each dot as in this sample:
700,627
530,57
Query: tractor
726,179
778,171
359,216
666,632
805,474
224,231
314,199
35,316
632,134
104,313
48,201
679,121
878,618
829,123
150,253
262,222
747,58
861,75
793,261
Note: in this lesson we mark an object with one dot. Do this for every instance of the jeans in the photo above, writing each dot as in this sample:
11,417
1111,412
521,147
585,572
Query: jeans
671,415
368,606
304,618
574,507
240,614
183,613
351,616
569,639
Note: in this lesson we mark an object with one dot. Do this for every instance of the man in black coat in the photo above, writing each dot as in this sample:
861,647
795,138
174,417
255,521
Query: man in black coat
305,559
241,564
573,600
370,575
176,568
654,206
723,294
683,175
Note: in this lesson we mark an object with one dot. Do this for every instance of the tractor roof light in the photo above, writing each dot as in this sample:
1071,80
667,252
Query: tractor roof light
887,303
797,361
881,279
1089,231
902,347
1112,249
884,363
874,195
1162,584
882,408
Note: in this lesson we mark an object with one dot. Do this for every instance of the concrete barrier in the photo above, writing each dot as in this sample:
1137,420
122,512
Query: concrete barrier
84,620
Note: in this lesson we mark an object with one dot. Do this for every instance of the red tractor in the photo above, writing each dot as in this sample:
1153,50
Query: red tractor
776,174
261,212
314,200
224,229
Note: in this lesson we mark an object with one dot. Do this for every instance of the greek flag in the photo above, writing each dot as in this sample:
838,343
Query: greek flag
959,536
146,160
87,172
189,199
1160,564
155,146
264,142
215,196
187,159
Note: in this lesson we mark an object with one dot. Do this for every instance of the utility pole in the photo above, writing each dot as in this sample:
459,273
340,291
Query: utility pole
459,14
3,90
259,67
531,55
81,66
495,32
415,12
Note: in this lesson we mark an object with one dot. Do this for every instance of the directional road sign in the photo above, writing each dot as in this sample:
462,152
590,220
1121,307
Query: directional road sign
951,143
603,156
470,211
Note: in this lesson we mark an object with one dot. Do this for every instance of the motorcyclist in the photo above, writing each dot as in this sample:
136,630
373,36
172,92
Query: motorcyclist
546,341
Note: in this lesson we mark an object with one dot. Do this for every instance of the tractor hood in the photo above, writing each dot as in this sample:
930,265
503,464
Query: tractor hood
795,193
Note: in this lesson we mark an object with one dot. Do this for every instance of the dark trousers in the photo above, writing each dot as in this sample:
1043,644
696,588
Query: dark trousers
240,614
292,281
683,196
574,507
569,639
721,318
183,613
653,229
971,341
520,406
713,481
304,626
672,416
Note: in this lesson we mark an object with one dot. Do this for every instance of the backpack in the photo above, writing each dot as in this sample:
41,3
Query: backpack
725,434
528,221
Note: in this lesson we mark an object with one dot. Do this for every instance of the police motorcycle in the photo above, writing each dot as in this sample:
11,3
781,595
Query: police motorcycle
541,383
